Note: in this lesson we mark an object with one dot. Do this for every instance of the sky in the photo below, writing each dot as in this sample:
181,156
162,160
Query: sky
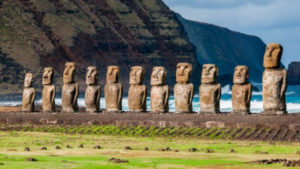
275,21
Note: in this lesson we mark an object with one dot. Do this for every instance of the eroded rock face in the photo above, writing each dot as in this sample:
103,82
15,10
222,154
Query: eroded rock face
183,90
92,92
241,91
70,89
113,90
159,90
137,91
49,90
209,90
28,94
274,81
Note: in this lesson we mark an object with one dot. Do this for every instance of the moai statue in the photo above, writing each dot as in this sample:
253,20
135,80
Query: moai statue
209,90
183,90
49,90
137,91
274,81
113,90
159,91
70,89
241,91
28,94
92,92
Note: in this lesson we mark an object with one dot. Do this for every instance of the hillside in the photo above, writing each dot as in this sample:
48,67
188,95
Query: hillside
39,33
226,48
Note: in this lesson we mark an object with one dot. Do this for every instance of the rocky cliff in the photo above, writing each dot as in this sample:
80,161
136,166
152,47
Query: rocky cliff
294,73
39,33
226,48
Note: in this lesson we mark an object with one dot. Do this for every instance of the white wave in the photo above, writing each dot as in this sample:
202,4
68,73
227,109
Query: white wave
256,93
10,103
226,89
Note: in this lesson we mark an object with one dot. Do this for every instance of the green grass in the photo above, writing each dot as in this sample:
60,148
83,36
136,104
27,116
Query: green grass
12,154
212,133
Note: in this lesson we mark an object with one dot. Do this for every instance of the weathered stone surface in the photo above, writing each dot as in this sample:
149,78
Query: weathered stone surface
159,90
28,94
183,90
137,91
70,89
209,90
274,81
92,92
49,90
113,90
241,91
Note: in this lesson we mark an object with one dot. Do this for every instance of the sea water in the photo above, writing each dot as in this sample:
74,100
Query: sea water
292,101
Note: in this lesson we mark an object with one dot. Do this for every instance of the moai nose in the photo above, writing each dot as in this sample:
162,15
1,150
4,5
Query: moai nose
270,52
181,70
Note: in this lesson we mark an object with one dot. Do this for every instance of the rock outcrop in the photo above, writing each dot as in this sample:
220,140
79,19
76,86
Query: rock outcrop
294,73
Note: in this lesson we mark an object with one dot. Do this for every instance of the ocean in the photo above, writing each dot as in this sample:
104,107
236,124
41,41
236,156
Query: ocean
292,100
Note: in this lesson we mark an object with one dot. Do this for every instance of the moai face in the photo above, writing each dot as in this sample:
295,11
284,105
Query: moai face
272,55
69,72
47,76
158,76
241,74
92,75
28,80
209,73
112,75
183,72
136,75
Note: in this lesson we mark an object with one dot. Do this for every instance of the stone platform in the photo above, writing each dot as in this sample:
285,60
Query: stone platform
290,121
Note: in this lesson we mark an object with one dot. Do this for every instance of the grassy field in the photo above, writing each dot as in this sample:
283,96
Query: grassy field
13,155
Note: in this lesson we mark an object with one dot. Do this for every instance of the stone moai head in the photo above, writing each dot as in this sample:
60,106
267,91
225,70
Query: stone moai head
28,80
92,75
241,74
136,75
272,55
209,73
183,72
69,72
158,76
47,76
112,74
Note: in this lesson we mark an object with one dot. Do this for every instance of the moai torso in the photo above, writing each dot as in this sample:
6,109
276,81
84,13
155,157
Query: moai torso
274,86
241,91
137,91
183,96
28,94
49,90
274,81
159,91
92,92
70,89
48,98
183,90
113,90
209,90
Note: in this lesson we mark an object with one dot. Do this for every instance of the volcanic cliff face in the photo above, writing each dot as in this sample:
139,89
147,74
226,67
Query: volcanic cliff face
226,48
294,73
39,33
